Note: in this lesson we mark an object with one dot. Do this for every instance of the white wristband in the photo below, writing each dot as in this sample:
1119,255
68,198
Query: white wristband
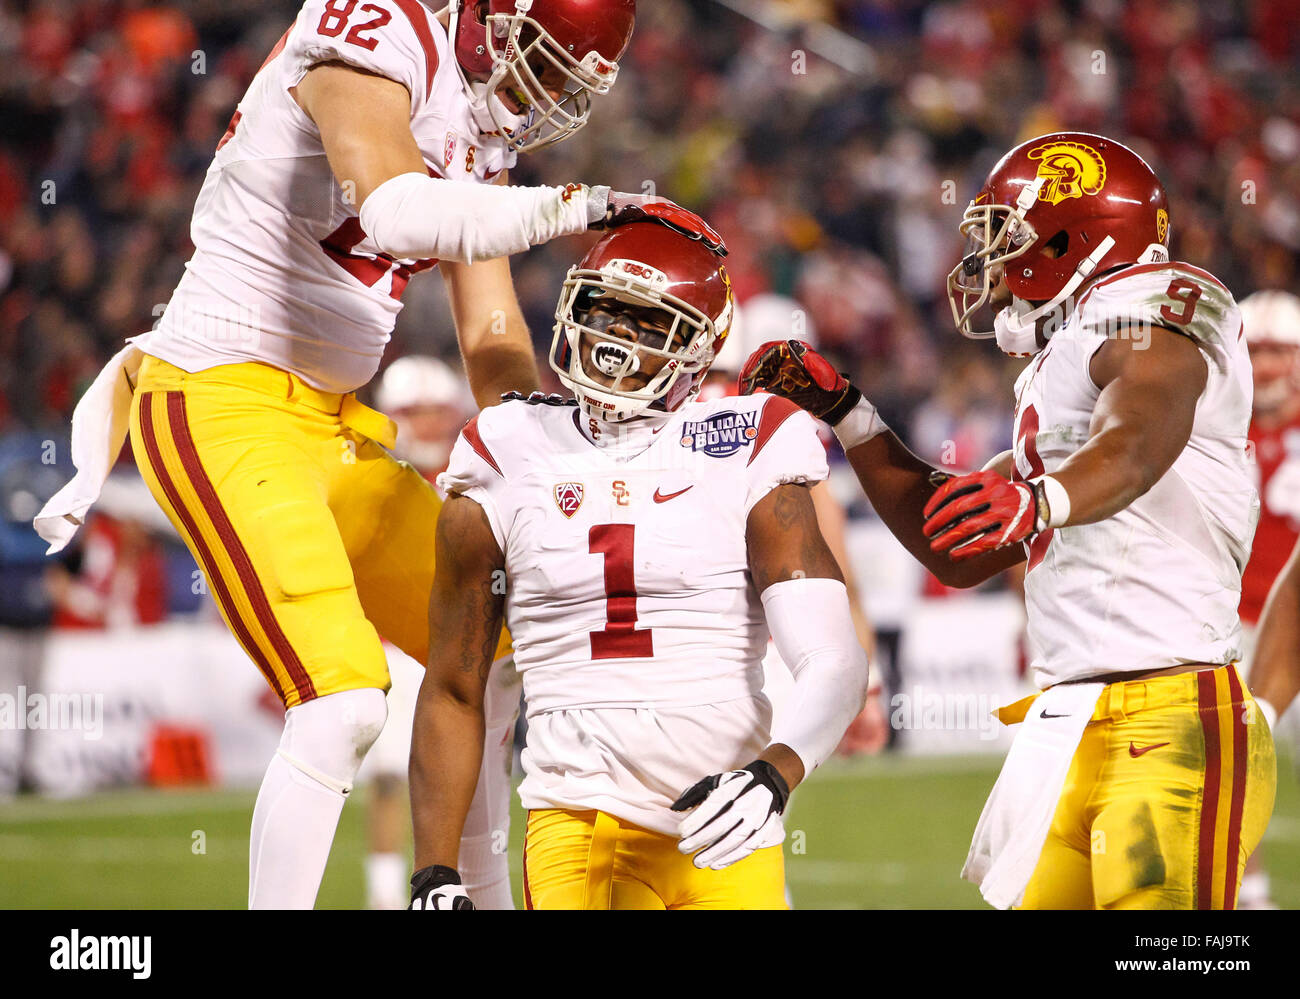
1268,711
1058,501
860,424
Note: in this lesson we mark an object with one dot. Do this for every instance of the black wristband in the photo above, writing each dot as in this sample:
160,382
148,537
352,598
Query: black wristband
434,876
771,777
841,408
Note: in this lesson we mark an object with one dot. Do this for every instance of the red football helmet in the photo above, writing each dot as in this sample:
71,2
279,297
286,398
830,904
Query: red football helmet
639,321
1092,201
518,41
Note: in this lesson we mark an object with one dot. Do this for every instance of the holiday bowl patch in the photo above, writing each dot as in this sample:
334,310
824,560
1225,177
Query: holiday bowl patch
721,434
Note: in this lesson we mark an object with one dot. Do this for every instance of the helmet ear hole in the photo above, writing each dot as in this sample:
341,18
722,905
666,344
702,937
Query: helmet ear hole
1060,243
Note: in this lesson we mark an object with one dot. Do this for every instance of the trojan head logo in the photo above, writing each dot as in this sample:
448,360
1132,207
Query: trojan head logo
1162,225
1069,170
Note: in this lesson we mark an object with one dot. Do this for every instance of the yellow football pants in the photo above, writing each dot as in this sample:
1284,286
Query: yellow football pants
1169,791
312,538
591,860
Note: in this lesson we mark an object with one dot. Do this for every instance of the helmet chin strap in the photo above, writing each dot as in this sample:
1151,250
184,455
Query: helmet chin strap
486,107
1017,334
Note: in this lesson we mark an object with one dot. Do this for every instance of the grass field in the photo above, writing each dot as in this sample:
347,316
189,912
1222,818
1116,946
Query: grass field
887,833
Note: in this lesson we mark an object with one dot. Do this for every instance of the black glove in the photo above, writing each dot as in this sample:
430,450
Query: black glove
736,813
438,887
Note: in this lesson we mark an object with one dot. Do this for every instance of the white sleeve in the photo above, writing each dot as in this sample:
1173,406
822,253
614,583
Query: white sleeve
1175,295
787,449
385,37
813,631
474,471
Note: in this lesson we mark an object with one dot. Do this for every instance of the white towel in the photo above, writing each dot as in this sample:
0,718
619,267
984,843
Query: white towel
1014,824
99,425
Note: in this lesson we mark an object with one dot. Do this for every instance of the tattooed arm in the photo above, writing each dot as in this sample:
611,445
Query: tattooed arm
465,614
785,543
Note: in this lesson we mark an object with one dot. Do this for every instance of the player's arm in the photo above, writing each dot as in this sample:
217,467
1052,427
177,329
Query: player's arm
807,610
897,482
364,120
494,341
1140,424
1275,663
465,616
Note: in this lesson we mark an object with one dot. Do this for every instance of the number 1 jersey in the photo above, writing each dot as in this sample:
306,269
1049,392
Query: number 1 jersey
1157,584
626,569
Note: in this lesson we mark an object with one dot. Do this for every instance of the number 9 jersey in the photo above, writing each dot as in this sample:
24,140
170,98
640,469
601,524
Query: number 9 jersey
1157,584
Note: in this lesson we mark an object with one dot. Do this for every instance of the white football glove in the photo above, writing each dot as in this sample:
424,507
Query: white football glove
438,887
735,813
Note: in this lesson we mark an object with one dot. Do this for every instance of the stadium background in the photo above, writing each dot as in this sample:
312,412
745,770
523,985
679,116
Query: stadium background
833,143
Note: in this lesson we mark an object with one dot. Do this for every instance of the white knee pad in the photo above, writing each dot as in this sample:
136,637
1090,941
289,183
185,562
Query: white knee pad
327,738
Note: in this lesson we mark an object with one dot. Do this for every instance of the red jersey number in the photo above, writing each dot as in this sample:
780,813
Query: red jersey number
335,19
620,639
1187,293
1027,439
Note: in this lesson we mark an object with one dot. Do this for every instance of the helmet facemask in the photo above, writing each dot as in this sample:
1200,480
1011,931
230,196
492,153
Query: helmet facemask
995,234
522,52
616,378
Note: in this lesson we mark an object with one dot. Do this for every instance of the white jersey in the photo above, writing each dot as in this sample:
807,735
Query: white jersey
637,629
282,271
1157,584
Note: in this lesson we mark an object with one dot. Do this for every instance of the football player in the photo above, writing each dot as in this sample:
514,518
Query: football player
640,545
1139,777
1272,324
374,142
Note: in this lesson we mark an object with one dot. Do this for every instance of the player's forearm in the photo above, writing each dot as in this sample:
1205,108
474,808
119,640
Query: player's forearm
502,364
1108,473
446,753
414,215
898,484
1275,664
813,631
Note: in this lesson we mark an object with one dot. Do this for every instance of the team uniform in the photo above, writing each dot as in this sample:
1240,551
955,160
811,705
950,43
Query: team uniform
1170,780
638,633
314,539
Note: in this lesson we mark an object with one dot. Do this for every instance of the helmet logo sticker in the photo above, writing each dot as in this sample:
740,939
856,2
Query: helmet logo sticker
568,497
1162,225
610,359
1069,170
721,434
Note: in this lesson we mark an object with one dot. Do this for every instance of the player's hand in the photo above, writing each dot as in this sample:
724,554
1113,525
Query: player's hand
609,209
438,887
793,370
980,512
735,813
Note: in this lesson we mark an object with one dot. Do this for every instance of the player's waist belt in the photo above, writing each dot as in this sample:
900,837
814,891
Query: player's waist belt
1124,697
278,384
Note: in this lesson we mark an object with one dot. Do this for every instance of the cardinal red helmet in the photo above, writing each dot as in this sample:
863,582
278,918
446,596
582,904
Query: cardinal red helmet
516,42
639,321
1092,200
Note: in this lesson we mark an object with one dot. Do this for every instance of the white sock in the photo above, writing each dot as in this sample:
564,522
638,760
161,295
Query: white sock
387,881
302,795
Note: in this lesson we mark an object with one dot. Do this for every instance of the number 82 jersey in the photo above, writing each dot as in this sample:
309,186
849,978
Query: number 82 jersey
1157,584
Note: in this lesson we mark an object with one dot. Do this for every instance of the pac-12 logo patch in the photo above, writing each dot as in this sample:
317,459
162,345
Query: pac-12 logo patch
568,497
721,434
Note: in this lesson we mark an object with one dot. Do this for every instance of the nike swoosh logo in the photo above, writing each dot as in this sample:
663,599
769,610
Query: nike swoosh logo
661,498
1046,715
1134,752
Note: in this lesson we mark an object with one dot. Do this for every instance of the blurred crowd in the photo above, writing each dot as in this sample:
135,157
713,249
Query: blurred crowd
834,143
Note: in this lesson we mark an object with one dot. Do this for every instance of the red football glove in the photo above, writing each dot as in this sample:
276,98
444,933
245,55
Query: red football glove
793,370
620,209
980,512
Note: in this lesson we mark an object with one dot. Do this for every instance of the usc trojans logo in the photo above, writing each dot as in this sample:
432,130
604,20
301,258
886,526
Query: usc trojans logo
568,497
1069,170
